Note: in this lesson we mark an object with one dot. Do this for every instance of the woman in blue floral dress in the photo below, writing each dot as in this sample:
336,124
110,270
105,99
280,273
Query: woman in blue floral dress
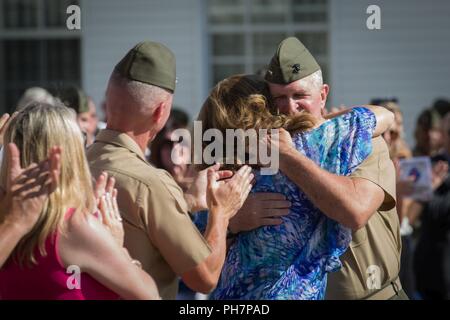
291,260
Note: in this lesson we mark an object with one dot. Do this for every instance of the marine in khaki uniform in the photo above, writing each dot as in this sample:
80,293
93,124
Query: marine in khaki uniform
158,229
364,202
371,265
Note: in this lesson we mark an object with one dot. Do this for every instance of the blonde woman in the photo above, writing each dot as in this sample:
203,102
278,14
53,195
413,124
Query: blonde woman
68,238
22,201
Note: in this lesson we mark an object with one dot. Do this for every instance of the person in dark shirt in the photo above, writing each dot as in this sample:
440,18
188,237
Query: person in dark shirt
432,256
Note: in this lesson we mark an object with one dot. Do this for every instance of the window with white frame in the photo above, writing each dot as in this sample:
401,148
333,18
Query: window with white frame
36,48
244,34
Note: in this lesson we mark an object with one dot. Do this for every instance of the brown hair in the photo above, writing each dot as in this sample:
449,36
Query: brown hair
243,102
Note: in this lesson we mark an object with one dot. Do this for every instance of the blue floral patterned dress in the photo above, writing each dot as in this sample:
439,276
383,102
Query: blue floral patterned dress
291,261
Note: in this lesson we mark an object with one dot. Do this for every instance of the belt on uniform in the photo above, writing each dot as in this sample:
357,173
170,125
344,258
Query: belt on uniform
390,290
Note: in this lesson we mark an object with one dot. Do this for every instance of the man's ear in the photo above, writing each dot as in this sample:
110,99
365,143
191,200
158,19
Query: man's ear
324,94
157,115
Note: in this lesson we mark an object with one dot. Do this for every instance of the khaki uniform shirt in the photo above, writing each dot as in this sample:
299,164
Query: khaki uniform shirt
158,230
375,249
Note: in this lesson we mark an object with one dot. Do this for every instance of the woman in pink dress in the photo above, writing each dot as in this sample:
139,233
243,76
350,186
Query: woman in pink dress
75,250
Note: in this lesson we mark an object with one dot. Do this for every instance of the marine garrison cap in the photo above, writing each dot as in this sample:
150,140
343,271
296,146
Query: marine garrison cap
149,62
73,97
291,62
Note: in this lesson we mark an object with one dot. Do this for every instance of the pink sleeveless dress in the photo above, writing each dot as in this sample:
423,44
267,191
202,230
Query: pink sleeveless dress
49,279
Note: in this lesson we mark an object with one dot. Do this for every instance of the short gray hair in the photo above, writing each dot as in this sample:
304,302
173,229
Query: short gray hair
35,95
142,93
316,79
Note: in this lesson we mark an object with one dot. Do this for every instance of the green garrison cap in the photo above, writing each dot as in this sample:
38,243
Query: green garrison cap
149,62
73,97
291,62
